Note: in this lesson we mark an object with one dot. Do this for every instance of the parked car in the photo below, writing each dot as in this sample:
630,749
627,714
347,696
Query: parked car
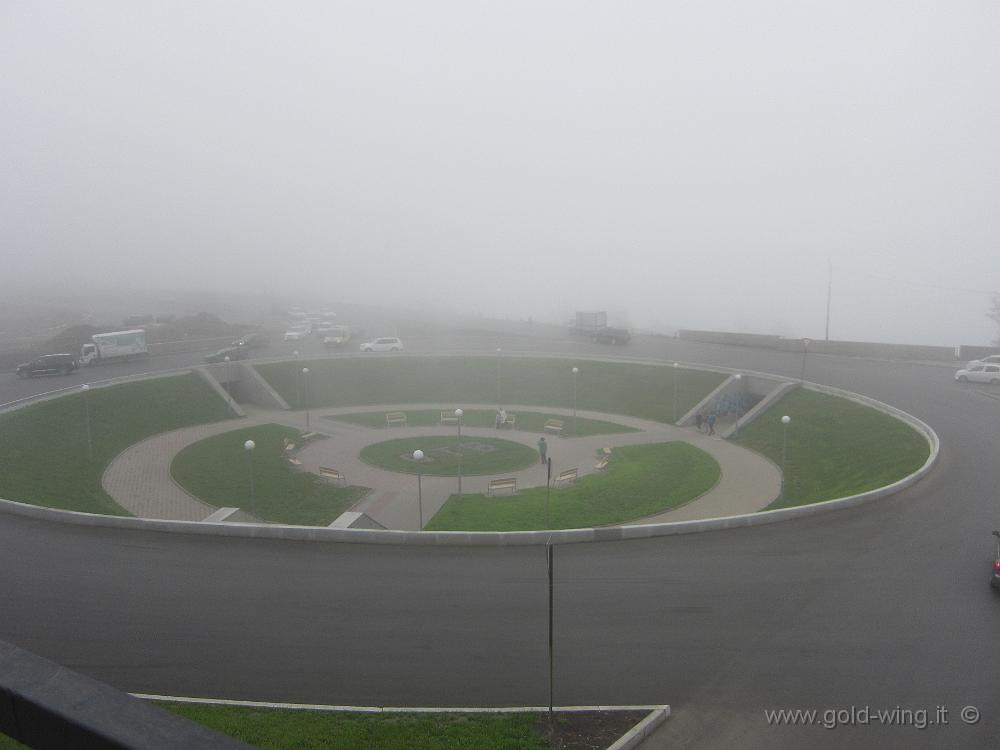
383,345
48,364
253,341
297,333
233,352
979,374
993,359
611,335
336,337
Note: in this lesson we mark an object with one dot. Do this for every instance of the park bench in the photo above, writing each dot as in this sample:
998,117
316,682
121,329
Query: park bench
555,426
325,472
395,419
566,477
294,463
510,421
601,464
448,417
500,485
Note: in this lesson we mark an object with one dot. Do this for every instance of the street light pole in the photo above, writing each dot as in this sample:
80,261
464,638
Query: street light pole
805,351
249,445
548,485
418,456
458,414
86,406
576,371
498,377
305,378
676,368
784,451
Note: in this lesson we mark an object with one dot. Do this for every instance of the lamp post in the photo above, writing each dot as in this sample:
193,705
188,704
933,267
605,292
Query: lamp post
676,368
249,445
805,351
458,414
784,451
305,384
548,485
498,376
418,456
739,393
86,407
576,371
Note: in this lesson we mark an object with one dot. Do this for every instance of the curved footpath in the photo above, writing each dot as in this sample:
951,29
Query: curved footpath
139,478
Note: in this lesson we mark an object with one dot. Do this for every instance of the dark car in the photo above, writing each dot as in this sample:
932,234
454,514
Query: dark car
233,352
48,364
609,335
252,341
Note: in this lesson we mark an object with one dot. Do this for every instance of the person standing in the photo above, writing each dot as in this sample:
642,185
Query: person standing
697,421
503,417
543,448
711,423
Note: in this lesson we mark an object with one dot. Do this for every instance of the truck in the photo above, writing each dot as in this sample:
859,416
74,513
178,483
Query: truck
587,323
114,346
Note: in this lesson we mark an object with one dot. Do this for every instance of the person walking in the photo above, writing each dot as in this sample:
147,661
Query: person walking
697,421
711,423
543,448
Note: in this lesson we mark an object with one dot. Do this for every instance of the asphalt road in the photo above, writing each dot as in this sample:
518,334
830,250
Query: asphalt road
882,606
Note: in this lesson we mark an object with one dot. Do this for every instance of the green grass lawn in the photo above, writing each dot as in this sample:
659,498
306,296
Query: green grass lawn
640,480
217,470
479,455
835,447
529,421
645,391
282,729
43,447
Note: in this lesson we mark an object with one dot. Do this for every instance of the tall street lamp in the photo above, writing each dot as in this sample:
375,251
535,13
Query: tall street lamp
576,371
458,414
676,368
86,406
418,456
498,377
249,445
305,385
805,351
784,451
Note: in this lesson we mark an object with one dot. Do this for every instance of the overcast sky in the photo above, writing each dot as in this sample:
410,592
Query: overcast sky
684,164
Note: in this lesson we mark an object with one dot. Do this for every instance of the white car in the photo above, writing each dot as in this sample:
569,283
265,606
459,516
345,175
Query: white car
383,345
297,333
979,374
993,359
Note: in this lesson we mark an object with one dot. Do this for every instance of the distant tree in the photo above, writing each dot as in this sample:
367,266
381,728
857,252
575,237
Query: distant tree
994,315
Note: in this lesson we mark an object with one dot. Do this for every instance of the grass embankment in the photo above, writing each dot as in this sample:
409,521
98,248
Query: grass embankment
835,447
273,729
43,447
645,391
527,421
640,481
480,456
217,470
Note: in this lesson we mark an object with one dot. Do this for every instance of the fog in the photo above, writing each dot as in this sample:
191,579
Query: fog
680,164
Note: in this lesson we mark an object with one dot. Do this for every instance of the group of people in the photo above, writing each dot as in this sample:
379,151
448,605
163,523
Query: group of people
707,421
501,417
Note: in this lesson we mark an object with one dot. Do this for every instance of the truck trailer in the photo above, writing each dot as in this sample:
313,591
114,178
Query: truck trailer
587,323
114,346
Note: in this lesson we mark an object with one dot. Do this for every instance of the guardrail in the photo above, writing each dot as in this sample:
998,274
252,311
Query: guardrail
49,707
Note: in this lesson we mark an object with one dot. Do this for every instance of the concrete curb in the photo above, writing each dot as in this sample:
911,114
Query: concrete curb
513,538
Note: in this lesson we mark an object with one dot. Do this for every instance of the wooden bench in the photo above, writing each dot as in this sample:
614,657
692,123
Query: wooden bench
566,477
448,417
499,485
294,463
510,421
602,464
554,426
325,472
395,419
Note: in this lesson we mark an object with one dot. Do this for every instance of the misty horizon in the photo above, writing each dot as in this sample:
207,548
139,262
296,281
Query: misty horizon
679,166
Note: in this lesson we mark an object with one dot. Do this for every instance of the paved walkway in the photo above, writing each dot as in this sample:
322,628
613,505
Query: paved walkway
139,478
